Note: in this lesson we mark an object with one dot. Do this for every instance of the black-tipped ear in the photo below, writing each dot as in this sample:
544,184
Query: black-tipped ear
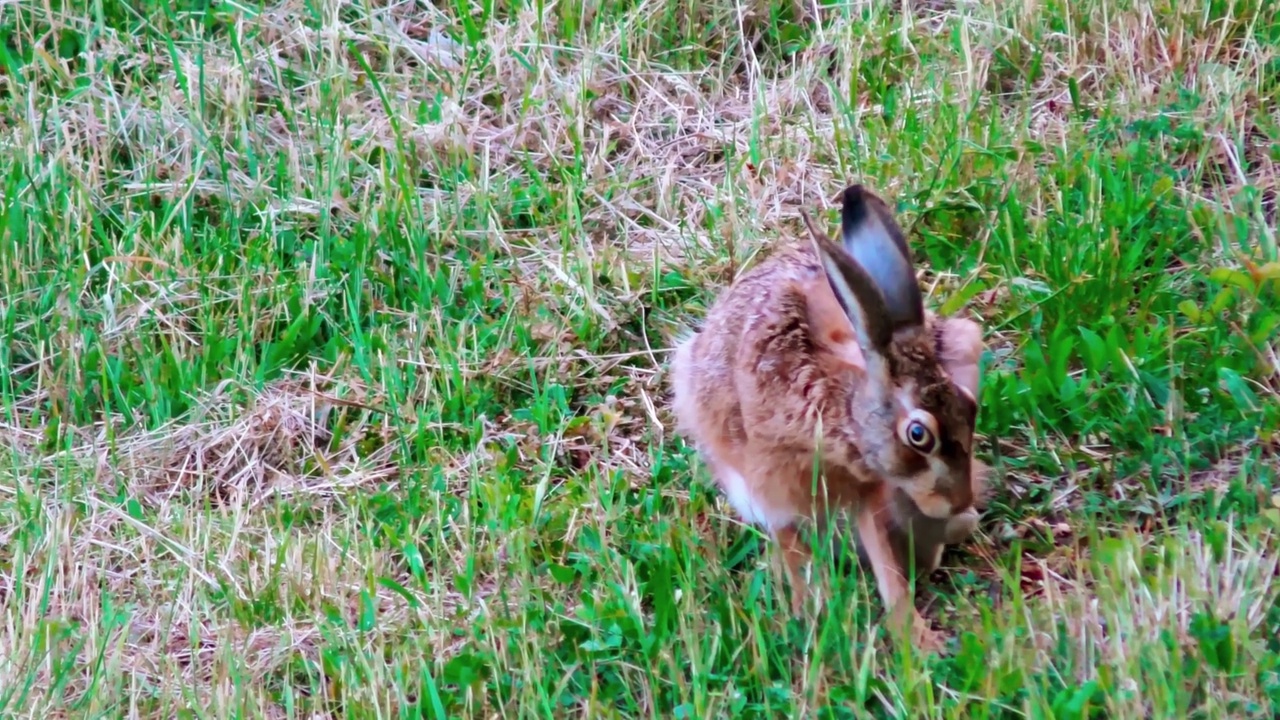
855,291
874,239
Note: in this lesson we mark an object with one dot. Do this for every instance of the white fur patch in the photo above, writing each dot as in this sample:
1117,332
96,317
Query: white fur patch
961,526
942,507
747,506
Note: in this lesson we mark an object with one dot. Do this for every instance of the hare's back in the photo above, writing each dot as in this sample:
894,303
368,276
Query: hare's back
706,367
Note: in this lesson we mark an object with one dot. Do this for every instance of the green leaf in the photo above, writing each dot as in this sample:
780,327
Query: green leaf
1189,309
368,615
562,574
1061,344
398,589
433,693
1234,278
413,557
465,669
1216,641
1266,328
1221,300
958,299
1235,386
1156,386
1095,351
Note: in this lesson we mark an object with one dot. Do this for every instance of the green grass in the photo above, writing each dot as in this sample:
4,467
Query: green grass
334,378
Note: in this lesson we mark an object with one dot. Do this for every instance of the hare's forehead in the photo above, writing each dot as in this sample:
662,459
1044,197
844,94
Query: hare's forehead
907,395
935,395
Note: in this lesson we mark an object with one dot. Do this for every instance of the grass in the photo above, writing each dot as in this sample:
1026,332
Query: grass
334,379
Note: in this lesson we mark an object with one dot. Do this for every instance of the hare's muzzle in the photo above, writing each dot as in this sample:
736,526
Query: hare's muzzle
936,505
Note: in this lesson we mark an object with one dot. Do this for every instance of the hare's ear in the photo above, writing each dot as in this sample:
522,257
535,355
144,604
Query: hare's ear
856,293
960,346
874,240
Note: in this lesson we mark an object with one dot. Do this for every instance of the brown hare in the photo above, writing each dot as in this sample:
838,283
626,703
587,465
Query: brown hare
826,348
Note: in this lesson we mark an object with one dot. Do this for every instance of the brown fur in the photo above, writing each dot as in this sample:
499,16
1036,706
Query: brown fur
789,362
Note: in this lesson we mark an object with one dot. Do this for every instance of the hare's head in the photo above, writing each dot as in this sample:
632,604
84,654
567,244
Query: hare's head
915,420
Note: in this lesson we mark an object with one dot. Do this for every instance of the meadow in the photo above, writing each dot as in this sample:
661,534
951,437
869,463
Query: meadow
334,375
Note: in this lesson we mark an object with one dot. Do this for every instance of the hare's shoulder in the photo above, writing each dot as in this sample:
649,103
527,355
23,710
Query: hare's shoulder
782,357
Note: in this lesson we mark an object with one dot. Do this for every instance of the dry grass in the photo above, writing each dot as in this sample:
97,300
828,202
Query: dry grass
336,340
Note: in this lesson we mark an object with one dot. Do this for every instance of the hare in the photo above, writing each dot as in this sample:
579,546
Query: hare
826,350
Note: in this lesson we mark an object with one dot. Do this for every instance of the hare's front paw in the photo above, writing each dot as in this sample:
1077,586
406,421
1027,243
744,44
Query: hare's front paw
960,527
922,635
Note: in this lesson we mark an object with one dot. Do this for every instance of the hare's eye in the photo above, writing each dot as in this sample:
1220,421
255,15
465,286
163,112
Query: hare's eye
919,436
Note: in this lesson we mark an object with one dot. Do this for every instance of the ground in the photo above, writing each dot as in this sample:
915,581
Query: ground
335,373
